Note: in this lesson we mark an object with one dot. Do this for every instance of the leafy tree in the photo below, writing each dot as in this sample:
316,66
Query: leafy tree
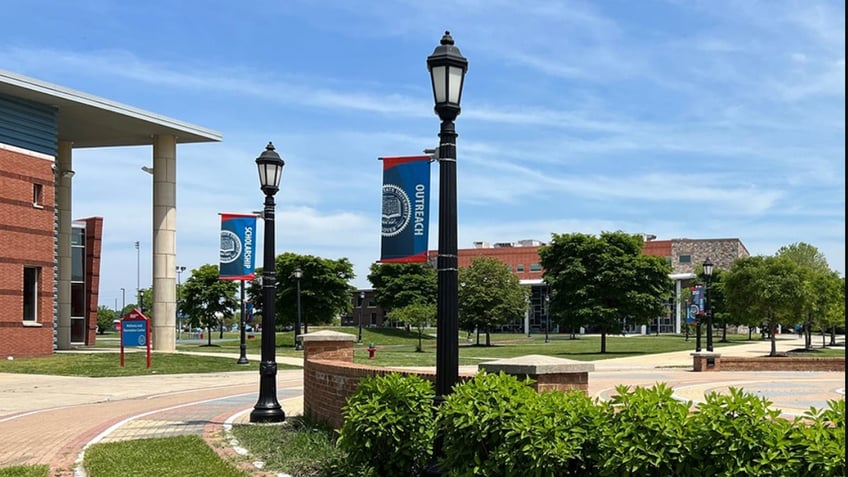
604,280
805,255
397,285
324,289
206,298
769,288
489,295
417,315
105,317
822,287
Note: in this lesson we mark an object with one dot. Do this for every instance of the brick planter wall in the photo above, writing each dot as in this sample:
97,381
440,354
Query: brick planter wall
779,363
330,376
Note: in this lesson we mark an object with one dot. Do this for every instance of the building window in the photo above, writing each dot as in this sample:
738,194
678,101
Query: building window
37,193
30,311
535,267
685,259
373,319
519,267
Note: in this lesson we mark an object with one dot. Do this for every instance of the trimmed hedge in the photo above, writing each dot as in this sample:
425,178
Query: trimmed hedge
495,425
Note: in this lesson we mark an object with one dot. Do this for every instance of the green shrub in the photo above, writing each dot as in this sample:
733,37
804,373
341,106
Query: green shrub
388,425
819,438
556,434
647,433
474,420
738,434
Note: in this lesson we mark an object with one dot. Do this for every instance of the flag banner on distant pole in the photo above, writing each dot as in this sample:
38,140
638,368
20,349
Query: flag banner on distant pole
237,247
406,209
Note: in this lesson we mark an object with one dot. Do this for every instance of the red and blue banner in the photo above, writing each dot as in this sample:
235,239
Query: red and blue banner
237,247
406,209
695,305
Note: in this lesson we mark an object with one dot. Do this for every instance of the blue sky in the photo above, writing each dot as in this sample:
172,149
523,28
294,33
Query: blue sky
682,119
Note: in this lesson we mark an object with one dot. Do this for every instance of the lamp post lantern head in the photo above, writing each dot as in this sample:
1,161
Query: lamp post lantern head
298,273
362,295
708,268
270,166
447,72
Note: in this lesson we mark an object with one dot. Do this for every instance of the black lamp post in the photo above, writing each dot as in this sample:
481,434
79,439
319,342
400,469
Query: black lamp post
361,312
697,333
447,71
547,314
298,274
179,270
267,409
242,341
708,272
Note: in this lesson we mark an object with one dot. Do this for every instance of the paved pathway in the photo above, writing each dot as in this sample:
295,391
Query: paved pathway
51,419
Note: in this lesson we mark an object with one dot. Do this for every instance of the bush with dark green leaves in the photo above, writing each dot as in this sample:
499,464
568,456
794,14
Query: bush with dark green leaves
647,434
497,425
388,426
474,421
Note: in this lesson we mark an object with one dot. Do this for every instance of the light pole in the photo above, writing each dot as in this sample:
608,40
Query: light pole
708,272
138,273
180,271
267,408
697,333
298,274
447,71
123,299
547,315
362,312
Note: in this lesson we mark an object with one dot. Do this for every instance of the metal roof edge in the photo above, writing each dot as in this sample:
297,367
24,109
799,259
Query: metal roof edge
76,96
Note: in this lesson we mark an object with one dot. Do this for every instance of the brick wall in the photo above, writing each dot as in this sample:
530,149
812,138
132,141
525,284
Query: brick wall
27,235
93,237
330,376
779,363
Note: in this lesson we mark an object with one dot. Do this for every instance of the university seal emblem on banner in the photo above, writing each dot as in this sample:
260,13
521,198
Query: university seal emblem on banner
396,210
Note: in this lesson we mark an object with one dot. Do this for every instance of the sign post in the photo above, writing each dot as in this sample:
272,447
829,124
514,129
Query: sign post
135,332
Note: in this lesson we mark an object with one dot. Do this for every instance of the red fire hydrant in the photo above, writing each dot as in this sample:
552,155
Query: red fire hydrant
371,350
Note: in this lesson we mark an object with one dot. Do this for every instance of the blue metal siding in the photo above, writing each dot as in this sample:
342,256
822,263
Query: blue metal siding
28,125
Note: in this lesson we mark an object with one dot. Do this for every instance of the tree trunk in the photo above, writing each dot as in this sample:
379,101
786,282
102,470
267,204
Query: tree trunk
209,335
750,331
833,335
603,342
488,338
478,336
773,346
823,338
724,333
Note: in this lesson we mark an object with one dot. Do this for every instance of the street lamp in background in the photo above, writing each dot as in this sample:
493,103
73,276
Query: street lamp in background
138,273
708,272
547,315
447,71
123,299
298,274
361,312
267,408
180,271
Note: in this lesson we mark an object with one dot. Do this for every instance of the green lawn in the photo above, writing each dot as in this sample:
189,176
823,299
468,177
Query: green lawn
25,471
102,364
584,348
183,456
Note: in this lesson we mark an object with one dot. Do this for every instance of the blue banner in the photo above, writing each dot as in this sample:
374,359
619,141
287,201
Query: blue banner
237,247
406,209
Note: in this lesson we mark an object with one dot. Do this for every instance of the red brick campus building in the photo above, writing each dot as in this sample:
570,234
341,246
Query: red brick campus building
523,259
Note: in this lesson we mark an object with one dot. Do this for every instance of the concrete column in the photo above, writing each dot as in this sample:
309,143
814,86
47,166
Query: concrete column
63,255
164,319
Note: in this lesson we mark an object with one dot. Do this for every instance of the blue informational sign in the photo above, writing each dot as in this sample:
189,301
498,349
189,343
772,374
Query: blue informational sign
134,332
406,209
237,247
